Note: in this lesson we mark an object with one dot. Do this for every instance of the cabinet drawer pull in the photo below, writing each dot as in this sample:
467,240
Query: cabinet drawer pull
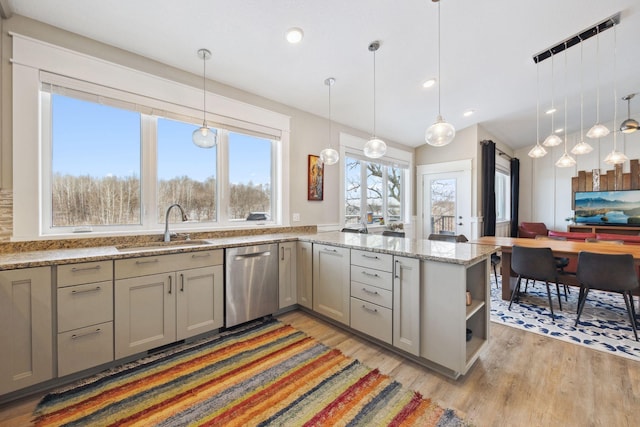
329,250
84,291
370,292
77,269
181,282
370,256
371,310
86,334
366,273
397,269
151,261
201,255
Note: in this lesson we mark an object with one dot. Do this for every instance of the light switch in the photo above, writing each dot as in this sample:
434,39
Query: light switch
296,217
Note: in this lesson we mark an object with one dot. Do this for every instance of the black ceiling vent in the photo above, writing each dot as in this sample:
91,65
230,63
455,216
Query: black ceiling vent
604,25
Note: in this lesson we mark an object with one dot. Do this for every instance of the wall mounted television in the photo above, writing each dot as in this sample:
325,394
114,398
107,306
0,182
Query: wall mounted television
620,207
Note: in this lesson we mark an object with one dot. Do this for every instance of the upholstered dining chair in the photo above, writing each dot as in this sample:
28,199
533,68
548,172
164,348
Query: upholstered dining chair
611,273
561,262
536,264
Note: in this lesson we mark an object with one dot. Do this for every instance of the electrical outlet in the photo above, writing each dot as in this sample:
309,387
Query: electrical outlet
296,217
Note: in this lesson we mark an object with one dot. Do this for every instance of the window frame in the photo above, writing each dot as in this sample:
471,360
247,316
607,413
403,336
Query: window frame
35,61
352,147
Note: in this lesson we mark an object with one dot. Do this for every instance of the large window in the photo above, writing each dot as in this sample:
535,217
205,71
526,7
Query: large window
374,191
112,167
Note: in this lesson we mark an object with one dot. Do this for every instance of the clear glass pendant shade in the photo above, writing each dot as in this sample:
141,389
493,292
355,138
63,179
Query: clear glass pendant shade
440,133
552,140
615,157
375,148
598,131
329,156
565,161
582,148
537,151
204,137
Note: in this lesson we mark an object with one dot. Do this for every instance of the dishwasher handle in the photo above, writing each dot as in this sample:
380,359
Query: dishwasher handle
253,255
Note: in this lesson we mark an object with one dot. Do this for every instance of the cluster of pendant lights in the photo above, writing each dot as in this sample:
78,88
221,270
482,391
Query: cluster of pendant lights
438,134
597,131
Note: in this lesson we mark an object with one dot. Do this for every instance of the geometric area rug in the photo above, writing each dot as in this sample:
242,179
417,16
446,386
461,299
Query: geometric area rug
264,373
604,323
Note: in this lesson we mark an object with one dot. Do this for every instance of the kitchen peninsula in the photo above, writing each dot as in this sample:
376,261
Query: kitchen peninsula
407,295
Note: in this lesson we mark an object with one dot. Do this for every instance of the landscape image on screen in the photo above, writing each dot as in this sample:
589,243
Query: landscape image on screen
608,207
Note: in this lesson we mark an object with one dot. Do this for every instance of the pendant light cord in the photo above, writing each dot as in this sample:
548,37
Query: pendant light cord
553,97
598,76
581,93
439,113
330,83
374,93
538,103
615,84
204,89
565,102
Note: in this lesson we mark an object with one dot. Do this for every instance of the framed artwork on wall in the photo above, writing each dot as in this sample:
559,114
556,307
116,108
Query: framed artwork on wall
315,181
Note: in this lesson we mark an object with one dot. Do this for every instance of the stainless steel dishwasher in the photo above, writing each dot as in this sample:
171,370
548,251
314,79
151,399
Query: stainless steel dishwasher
251,283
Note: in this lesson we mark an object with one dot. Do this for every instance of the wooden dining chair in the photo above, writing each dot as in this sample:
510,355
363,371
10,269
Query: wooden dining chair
536,264
611,273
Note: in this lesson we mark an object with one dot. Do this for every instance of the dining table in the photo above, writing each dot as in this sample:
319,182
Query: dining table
560,248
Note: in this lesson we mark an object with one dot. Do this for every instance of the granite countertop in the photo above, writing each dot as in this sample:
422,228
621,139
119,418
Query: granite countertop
457,253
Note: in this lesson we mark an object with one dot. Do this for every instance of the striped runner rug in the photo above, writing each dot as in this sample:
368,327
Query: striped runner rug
264,374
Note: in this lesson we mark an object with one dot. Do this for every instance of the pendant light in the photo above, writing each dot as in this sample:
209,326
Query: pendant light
538,150
566,160
630,125
440,133
615,157
598,130
375,147
581,147
329,156
204,137
552,140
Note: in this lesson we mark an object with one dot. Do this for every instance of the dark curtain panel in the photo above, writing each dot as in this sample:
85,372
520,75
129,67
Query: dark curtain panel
515,196
489,187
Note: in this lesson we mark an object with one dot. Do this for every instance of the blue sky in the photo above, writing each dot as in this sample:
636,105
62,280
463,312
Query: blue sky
98,140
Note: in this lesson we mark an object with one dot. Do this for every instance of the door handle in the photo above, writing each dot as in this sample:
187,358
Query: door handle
181,282
170,284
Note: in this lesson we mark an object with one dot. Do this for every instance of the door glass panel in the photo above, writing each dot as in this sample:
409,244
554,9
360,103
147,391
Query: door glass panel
443,206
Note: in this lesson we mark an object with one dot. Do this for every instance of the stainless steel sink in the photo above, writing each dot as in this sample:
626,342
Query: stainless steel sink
154,246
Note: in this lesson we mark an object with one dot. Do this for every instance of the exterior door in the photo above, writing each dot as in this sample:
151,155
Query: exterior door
446,202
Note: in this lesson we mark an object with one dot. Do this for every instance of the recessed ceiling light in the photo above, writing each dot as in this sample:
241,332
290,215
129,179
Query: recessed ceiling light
550,111
294,35
429,83
468,113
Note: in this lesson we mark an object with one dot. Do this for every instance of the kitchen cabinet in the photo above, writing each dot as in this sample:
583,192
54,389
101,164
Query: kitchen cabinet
372,294
304,274
446,317
85,315
165,298
287,276
331,292
26,334
406,304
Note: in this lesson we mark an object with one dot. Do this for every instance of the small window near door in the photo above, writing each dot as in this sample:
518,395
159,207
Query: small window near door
503,196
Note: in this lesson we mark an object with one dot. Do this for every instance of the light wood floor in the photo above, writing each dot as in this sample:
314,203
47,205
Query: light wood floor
522,379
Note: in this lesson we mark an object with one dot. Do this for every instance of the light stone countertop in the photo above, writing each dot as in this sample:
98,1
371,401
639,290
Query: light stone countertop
457,253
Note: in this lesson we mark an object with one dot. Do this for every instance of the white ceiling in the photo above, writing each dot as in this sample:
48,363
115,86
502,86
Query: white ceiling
486,56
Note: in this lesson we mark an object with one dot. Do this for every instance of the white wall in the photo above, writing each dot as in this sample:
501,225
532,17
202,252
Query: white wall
545,190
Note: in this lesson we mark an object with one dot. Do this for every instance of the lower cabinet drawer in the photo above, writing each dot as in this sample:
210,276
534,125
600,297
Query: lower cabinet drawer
372,319
83,305
84,348
372,294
